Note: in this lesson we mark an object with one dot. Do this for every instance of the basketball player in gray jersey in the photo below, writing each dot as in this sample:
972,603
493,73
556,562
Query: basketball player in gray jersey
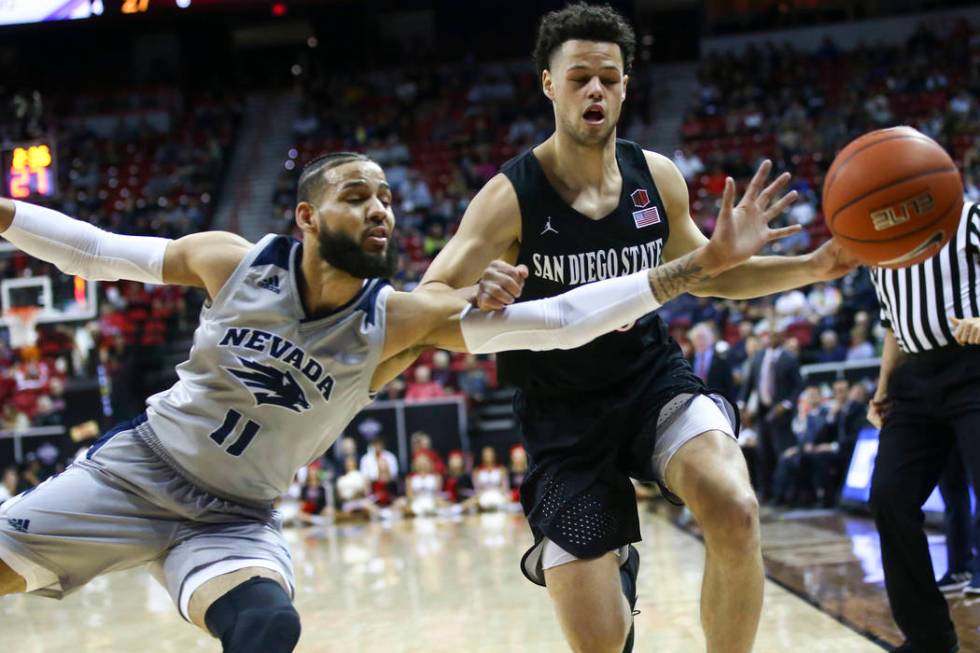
291,344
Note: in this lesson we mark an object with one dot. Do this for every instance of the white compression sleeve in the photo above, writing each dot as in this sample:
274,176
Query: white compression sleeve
79,248
565,321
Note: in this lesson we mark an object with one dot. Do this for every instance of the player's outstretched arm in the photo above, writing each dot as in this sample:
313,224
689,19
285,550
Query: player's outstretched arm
578,316
759,275
490,229
204,259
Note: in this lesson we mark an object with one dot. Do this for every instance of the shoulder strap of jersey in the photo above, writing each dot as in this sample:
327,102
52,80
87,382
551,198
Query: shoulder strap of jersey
271,249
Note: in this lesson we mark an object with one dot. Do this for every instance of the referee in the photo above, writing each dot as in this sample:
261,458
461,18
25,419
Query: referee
928,398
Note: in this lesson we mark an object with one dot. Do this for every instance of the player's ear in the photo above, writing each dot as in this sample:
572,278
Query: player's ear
306,217
547,84
626,81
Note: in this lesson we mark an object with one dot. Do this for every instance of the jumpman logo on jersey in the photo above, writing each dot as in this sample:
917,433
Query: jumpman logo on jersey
548,227
271,385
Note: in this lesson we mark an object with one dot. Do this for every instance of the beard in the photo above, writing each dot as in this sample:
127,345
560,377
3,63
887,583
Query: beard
344,253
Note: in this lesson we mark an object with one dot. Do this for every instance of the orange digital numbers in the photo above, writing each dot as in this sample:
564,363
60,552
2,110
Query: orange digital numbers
135,6
27,163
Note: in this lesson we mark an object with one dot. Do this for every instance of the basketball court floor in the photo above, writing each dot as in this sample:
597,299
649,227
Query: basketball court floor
426,585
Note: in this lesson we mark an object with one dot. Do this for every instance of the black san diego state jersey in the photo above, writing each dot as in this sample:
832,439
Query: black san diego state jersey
563,249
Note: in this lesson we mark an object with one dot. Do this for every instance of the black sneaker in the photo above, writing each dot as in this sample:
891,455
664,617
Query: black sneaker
627,576
951,583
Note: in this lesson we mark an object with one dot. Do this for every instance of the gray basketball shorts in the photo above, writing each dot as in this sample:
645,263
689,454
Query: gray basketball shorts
122,506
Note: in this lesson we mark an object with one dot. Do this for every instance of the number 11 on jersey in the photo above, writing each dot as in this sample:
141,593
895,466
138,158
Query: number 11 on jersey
232,418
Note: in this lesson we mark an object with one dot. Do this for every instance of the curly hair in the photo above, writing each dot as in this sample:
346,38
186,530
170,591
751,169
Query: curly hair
584,22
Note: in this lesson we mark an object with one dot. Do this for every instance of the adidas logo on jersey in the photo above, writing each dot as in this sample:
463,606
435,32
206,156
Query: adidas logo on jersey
272,283
19,524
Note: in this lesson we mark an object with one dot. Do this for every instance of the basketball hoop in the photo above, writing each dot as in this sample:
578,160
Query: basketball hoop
21,321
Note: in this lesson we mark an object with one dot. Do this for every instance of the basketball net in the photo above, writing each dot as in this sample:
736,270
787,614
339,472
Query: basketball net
21,321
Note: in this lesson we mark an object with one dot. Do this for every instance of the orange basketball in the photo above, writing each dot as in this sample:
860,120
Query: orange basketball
893,197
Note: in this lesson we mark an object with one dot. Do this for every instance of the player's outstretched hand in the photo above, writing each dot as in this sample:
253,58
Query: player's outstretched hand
967,330
743,229
831,261
500,285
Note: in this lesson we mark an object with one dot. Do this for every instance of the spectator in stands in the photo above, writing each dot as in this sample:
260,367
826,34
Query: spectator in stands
415,193
13,419
8,483
441,371
314,505
791,307
826,461
709,362
825,301
372,460
861,348
750,347
435,240
831,351
423,387
472,379
808,425
346,447
384,491
422,489
689,163
421,445
394,390
518,470
459,485
774,377
490,482
29,474
353,493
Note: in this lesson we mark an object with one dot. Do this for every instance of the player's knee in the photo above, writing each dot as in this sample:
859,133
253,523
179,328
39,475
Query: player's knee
731,524
255,617
606,636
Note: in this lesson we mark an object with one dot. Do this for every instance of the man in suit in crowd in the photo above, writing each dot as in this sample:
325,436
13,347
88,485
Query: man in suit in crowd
826,461
709,363
774,379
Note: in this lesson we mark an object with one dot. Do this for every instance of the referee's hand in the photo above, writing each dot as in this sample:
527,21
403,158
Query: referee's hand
967,330
877,410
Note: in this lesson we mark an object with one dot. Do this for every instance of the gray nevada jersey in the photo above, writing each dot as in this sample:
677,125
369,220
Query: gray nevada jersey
265,390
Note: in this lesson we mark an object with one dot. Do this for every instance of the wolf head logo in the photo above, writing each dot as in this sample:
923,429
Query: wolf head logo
271,385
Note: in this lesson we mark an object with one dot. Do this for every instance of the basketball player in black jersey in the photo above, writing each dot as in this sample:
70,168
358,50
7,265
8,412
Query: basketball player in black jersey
584,206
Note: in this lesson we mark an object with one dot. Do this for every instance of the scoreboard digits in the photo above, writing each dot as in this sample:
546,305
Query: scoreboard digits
29,170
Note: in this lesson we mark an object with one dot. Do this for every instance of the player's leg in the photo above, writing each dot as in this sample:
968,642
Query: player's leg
705,468
249,610
10,581
235,582
81,523
589,602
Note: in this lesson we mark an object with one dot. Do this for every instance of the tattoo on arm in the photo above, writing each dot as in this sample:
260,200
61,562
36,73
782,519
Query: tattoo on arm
681,275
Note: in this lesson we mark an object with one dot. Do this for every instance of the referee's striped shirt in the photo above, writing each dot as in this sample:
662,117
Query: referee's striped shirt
916,301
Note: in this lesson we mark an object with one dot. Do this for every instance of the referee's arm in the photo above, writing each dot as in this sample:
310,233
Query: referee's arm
890,356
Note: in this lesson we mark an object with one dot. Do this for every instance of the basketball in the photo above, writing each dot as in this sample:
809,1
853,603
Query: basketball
893,197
